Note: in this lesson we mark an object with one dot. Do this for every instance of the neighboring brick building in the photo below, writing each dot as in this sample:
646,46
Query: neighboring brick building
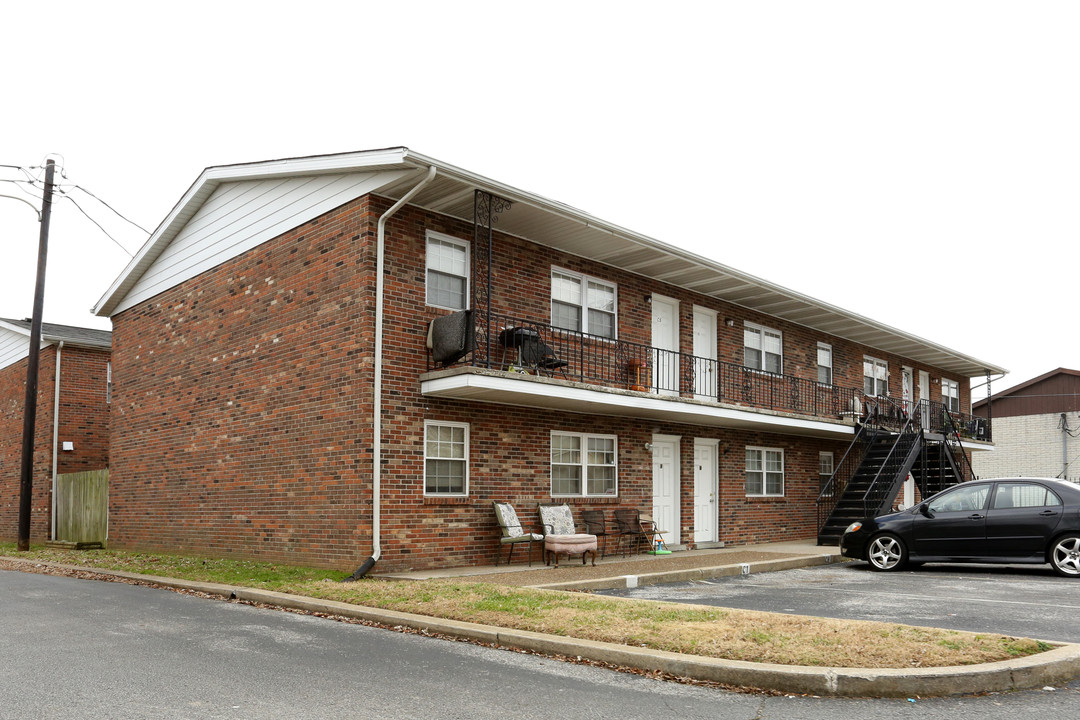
247,371
76,411
1036,428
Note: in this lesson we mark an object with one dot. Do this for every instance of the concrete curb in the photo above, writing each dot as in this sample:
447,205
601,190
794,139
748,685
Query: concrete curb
1055,666
692,574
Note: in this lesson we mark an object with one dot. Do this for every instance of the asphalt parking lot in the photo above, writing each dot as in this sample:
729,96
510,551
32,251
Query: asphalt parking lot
1025,601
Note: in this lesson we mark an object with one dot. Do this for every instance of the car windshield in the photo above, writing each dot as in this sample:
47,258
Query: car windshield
961,499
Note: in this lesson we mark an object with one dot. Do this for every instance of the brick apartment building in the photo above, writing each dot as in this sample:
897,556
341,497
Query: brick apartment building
275,395
72,429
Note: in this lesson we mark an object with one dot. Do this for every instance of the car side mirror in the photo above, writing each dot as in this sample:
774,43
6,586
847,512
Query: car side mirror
924,509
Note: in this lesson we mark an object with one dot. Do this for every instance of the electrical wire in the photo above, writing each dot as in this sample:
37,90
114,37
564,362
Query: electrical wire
117,212
68,197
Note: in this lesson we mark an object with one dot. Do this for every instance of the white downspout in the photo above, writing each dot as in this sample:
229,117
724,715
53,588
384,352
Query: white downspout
55,435
376,448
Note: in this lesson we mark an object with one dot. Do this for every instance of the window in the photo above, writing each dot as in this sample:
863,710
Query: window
447,271
764,471
962,499
108,381
582,303
875,376
1023,495
763,348
825,470
824,363
446,458
583,465
950,394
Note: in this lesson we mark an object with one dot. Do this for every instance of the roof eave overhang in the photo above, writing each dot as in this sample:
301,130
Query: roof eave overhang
579,233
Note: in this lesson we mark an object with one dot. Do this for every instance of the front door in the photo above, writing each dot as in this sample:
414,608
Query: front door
908,381
665,473
665,340
924,399
705,370
706,507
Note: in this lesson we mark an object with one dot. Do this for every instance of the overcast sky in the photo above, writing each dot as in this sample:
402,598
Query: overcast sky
917,162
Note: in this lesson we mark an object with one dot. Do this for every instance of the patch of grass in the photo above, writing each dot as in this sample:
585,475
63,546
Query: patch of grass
715,632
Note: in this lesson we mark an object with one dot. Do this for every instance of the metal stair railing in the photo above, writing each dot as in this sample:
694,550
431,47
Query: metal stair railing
833,490
898,462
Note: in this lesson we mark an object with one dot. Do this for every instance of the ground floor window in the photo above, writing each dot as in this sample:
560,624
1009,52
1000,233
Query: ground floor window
825,471
583,465
764,472
446,458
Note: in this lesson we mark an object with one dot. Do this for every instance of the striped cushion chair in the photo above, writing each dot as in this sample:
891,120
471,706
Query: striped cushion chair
561,535
512,532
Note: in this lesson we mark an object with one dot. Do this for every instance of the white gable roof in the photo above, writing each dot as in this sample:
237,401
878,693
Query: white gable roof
232,208
15,338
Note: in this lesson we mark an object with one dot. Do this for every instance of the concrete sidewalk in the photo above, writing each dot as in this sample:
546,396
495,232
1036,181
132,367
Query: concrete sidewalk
642,569
1056,666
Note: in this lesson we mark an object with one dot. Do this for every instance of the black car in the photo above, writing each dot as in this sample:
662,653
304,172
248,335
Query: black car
1003,520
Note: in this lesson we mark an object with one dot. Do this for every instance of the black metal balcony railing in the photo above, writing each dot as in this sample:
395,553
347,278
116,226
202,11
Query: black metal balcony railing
516,343
505,342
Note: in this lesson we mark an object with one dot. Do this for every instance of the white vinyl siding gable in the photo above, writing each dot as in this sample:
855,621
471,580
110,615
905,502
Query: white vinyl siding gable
239,216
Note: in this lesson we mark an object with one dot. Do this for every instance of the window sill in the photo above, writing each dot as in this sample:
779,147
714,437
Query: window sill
455,500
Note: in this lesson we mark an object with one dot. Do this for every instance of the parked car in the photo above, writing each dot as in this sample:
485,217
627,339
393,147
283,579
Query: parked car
1001,520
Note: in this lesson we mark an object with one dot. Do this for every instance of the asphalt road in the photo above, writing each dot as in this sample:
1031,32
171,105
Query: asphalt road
1026,601
85,649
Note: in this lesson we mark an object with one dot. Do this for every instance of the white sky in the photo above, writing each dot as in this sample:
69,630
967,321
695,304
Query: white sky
913,162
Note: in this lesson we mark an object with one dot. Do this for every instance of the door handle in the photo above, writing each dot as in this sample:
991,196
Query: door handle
1048,513
976,516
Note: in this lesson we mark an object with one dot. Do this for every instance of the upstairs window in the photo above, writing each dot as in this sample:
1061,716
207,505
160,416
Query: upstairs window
950,394
447,271
582,304
824,363
763,348
875,377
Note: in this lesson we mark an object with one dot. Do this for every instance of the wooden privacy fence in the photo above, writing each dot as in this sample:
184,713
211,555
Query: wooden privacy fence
82,507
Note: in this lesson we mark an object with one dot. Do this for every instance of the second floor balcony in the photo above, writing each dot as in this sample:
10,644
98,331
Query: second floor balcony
528,364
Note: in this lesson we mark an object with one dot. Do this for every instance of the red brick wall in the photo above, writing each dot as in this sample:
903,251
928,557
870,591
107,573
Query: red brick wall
84,420
242,407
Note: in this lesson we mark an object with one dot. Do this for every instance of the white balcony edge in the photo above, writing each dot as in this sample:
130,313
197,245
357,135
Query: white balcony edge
540,392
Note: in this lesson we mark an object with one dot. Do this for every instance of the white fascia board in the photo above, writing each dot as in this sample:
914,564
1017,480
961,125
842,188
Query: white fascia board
689,413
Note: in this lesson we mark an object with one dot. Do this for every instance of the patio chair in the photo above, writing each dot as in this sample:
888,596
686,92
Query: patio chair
512,532
561,535
628,526
596,524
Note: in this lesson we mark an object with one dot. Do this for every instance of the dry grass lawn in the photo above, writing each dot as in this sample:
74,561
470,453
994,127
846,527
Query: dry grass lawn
699,630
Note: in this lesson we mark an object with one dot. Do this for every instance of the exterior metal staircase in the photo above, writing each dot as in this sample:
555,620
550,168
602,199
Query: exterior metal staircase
868,478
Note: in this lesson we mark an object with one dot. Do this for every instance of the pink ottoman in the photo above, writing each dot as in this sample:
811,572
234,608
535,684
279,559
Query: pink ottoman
571,545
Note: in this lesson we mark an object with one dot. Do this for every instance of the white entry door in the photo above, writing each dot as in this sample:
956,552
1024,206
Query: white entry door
706,495
705,370
907,387
665,338
924,394
665,474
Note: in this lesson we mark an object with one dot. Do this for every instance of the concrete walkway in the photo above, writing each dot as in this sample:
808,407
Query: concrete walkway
1056,666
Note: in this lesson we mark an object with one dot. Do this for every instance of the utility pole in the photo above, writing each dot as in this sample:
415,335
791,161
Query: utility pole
26,484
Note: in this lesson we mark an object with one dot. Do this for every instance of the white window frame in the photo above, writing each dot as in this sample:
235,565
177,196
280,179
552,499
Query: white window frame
583,463
761,330
876,364
108,382
827,348
465,460
450,240
762,453
954,396
583,307
826,467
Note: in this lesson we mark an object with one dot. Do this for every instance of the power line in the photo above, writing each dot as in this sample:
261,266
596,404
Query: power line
117,212
99,226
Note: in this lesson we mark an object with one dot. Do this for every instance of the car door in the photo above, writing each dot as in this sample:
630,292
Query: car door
953,523
1021,519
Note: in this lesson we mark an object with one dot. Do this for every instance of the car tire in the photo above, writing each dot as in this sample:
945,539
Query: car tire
886,553
1065,555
